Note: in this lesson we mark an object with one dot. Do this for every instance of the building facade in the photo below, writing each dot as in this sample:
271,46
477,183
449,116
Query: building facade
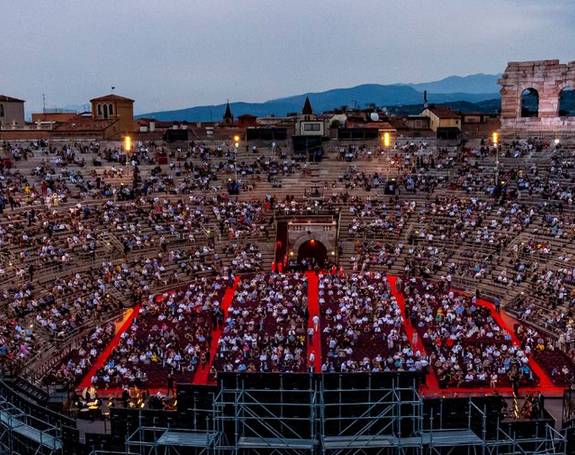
11,112
115,107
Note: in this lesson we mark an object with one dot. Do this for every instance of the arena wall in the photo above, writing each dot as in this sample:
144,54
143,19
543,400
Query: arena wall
548,78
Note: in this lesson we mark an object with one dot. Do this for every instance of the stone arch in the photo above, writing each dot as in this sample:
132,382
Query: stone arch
313,248
548,77
529,102
567,101
319,236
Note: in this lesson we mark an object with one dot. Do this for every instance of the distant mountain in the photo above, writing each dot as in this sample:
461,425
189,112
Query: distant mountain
486,107
475,83
361,96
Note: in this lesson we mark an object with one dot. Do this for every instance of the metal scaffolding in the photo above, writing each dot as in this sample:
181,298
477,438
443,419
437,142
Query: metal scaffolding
319,414
22,433
276,416
170,441
344,414
377,416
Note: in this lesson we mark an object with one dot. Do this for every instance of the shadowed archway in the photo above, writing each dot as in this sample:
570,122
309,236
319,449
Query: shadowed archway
312,254
567,102
530,103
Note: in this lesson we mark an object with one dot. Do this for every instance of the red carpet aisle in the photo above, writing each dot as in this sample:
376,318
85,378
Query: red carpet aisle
103,357
313,309
431,381
545,382
202,375
432,386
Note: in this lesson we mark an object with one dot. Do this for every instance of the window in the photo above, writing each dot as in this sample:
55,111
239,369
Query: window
311,127
105,111
567,102
1,110
99,108
110,110
530,103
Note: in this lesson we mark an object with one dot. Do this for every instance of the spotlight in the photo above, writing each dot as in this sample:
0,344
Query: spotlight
127,144
386,139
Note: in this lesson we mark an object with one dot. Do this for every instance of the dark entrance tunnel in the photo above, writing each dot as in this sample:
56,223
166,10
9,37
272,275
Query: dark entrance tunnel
312,254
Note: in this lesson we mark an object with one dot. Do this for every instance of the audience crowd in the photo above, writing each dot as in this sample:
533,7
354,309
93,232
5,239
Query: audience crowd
86,230
265,329
362,326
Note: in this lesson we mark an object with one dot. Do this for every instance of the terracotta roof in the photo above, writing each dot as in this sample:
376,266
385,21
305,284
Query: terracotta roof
9,99
443,112
111,97
80,123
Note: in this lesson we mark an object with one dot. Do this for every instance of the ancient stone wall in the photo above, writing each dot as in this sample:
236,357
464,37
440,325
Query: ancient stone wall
299,233
549,78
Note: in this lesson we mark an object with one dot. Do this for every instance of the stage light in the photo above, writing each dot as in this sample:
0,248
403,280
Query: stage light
557,141
127,144
495,138
333,253
291,253
236,138
386,139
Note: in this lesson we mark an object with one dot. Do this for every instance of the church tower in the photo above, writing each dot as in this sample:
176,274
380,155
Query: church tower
228,117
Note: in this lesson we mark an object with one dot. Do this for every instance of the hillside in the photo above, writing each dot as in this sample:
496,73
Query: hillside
486,107
456,89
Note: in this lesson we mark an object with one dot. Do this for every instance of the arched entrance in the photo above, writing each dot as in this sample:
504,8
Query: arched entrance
312,254
529,103
567,102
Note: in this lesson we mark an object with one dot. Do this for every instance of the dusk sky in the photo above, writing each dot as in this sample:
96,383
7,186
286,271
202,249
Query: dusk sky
178,53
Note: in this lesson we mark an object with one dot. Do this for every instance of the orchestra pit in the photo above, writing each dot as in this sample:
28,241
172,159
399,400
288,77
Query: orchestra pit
254,290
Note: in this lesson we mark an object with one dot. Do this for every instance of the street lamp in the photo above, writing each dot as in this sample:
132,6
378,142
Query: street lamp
495,139
386,139
127,144
236,147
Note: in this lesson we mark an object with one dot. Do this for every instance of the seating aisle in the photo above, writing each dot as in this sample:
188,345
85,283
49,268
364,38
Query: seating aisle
545,382
431,381
431,388
103,357
202,376
313,310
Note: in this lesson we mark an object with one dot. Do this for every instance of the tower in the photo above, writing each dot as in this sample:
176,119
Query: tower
307,109
228,117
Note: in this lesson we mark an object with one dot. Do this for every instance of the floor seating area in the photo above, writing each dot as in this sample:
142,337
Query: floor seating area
265,330
362,327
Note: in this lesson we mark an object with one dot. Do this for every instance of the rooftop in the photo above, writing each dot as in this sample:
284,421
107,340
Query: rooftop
9,99
443,112
111,97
